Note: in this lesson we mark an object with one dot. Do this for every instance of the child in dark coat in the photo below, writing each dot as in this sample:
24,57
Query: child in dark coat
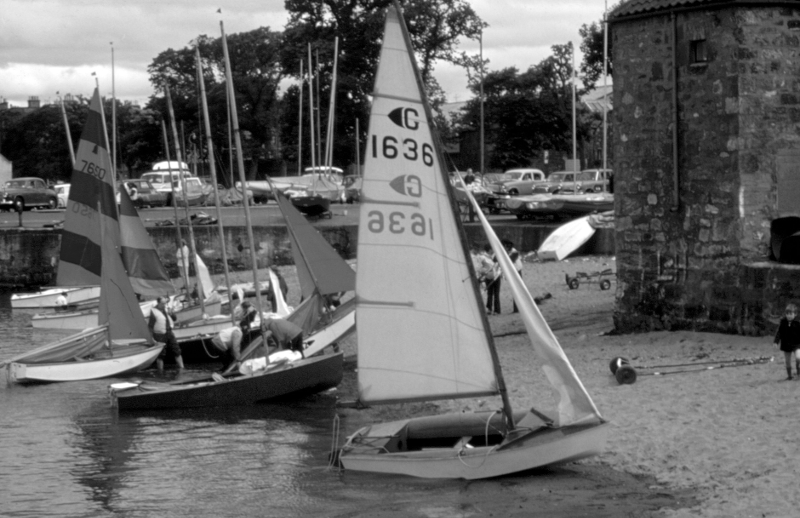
787,339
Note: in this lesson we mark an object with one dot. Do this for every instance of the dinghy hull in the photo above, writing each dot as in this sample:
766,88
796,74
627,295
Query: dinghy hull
305,376
385,448
125,359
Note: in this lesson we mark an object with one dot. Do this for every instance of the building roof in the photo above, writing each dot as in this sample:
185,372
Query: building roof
640,7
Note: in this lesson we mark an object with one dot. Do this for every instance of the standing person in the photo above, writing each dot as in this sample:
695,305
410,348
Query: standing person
516,258
787,339
285,334
490,275
160,325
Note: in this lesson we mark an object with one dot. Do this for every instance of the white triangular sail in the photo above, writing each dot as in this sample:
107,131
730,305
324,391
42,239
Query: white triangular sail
421,331
574,405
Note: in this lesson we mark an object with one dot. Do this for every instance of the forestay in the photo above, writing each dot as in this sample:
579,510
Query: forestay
421,335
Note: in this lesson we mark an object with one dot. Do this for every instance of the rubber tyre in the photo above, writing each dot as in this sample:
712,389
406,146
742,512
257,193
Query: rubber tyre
573,284
626,375
616,362
605,284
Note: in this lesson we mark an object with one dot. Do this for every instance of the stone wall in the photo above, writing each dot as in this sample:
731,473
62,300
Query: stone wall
683,261
28,257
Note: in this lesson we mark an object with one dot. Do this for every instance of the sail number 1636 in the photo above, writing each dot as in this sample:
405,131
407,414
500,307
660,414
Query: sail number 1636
390,147
399,223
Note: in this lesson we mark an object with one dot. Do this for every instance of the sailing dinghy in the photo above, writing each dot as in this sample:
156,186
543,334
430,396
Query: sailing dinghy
121,343
427,338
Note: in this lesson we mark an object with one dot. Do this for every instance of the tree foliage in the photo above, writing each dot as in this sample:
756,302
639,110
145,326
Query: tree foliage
592,44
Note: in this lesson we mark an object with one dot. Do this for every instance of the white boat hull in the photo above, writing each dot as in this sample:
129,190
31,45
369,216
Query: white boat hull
330,334
46,299
544,446
133,360
89,318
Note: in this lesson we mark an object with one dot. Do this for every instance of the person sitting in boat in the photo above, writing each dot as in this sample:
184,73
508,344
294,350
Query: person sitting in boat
229,340
160,323
285,334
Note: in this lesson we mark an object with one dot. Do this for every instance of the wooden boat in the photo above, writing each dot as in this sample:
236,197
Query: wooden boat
428,338
122,343
304,376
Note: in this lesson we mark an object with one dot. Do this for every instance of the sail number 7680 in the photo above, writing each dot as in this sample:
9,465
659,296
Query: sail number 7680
391,148
398,223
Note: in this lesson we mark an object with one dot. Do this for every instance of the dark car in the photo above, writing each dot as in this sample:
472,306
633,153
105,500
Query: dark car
27,193
144,194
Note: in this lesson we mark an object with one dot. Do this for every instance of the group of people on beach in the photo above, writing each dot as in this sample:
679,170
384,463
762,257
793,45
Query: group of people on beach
490,274
787,339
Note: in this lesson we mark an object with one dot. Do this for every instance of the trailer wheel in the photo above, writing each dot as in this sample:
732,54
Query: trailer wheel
626,375
616,363
573,284
605,284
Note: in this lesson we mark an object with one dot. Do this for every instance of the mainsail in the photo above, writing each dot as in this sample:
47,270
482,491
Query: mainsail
421,336
92,181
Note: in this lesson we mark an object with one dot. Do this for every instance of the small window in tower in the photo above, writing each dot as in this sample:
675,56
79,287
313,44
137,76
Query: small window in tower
698,52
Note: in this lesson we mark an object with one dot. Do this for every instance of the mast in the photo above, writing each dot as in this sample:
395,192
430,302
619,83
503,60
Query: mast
575,166
331,108
501,385
66,128
192,250
311,113
318,109
300,126
213,170
113,114
242,178
184,273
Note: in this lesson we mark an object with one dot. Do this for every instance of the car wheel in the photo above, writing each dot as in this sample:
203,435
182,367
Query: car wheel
19,204
52,203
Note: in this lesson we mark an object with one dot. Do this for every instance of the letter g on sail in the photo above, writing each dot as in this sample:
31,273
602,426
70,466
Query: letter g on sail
407,184
407,118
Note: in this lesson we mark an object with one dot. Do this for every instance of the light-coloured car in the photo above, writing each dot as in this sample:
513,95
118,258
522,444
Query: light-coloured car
62,191
517,181
593,180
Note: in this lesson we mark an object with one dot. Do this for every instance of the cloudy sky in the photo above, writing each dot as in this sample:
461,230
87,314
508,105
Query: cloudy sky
49,46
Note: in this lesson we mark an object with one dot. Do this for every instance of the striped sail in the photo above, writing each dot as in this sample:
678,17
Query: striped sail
147,274
92,183
421,329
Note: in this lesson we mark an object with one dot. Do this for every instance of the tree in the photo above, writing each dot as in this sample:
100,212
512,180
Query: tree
256,75
527,112
592,48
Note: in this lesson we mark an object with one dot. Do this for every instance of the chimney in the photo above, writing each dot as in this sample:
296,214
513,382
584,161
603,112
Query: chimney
33,102
3,105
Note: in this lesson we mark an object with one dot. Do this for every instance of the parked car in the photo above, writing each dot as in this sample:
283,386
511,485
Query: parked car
144,194
62,191
560,182
27,193
161,179
593,180
196,192
517,181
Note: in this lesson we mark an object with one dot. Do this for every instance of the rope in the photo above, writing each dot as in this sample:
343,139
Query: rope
203,342
489,451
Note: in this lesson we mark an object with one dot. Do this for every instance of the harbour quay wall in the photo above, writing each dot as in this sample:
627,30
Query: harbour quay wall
29,256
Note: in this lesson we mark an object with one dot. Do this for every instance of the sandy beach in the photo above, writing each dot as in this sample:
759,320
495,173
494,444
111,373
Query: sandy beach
712,442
